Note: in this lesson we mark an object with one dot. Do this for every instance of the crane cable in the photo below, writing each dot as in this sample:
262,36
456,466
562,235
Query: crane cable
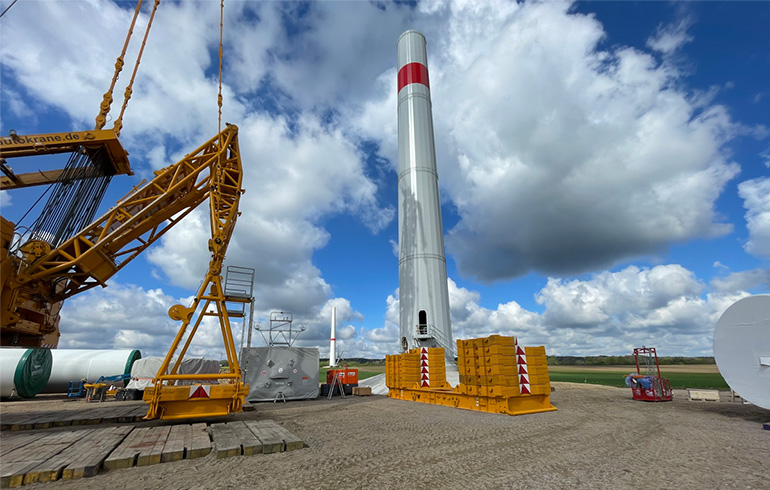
8,8
101,119
129,88
219,97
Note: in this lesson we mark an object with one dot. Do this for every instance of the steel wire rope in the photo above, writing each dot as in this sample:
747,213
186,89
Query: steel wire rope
8,8
219,96
101,118
118,125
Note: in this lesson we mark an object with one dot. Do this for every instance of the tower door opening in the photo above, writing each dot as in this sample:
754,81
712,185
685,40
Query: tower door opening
422,323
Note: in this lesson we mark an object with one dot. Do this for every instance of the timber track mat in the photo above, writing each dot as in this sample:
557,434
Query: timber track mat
36,456
89,415
598,439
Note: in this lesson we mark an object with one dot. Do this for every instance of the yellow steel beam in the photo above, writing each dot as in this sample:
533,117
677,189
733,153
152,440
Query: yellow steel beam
509,405
15,146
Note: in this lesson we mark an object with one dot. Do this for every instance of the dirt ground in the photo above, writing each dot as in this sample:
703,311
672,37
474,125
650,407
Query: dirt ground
599,438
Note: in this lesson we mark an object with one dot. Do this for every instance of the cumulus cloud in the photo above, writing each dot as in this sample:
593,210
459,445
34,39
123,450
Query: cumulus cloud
619,310
742,281
608,313
756,199
120,316
603,160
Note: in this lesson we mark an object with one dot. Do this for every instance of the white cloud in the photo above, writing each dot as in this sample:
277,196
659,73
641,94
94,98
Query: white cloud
608,314
120,316
668,38
597,158
742,281
766,156
756,199
6,199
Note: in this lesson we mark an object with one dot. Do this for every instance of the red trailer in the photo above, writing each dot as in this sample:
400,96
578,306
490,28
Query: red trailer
647,384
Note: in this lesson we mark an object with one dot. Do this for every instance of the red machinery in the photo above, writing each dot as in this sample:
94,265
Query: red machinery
344,379
647,384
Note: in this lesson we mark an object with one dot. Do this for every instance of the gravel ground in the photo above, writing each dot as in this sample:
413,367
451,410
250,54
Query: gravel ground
599,438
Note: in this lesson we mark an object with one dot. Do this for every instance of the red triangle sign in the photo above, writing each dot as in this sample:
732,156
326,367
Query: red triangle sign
424,350
525,390
520,351
523,369
425,384
523,379
424,364
424,370
521,360
200,392
424,377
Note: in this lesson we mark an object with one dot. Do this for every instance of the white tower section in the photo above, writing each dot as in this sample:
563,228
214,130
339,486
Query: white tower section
422,280
333,342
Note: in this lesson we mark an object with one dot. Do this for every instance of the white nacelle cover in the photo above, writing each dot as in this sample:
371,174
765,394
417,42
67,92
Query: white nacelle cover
291,372
145,369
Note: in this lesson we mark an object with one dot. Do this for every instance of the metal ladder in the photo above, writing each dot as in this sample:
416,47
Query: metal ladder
337,381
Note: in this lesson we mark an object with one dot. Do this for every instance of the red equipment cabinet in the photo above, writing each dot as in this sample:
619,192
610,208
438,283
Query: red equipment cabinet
647,384
347,375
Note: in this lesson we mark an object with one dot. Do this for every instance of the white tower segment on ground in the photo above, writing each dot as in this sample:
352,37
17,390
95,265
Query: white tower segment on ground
423,294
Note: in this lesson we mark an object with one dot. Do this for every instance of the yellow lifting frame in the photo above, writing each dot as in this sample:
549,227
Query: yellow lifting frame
169,401
226,393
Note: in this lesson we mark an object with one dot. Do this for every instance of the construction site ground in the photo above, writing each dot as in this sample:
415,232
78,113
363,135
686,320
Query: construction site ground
599,438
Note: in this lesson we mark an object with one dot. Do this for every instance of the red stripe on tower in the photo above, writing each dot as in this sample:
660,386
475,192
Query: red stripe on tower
412,73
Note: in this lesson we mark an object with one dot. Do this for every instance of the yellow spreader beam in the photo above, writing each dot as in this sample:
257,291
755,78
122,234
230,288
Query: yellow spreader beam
89,142
197,400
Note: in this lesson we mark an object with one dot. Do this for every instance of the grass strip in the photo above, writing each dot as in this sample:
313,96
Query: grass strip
710,381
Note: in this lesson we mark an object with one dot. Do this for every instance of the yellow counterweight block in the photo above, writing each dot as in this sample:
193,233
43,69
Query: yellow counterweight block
490,379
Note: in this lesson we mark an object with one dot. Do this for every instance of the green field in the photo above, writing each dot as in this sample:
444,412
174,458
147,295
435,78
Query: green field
712,381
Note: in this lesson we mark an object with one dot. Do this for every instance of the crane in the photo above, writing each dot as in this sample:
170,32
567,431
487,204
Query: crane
52,266
33,291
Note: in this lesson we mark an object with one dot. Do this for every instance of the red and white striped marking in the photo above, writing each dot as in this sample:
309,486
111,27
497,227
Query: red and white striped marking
200,391
521,363
424,368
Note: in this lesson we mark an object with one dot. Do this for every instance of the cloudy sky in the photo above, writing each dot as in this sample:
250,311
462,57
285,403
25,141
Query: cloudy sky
603,165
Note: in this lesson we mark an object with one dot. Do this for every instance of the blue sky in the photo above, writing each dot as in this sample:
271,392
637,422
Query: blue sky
603,165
